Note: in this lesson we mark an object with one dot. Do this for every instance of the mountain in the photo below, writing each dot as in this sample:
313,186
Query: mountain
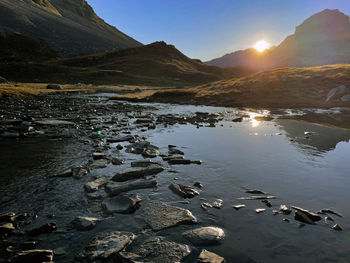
71,27
153,64
322,39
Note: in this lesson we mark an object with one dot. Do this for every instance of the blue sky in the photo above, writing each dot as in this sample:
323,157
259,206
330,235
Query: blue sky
207,29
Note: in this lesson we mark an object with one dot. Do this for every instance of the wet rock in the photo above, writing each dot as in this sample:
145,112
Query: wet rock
159,250
137,173
183,190
150,153
84,223
329,211
79,172
45,229
119,147
167,158
105,246
53,86
7,229
98,164
285,210
198,184
95,185
275,212
286,220
34,256
337,227
209,257
312,216
120,139
179,161
116,188
218,203
117,161
206,205
144,163
128,257
197,162
260,210
266,202
238,119
258,197
173,151
205,236
98,156
123,204
255,191
160,216
143,120
94,196
237,207
7,218
302,217
66,173
52,122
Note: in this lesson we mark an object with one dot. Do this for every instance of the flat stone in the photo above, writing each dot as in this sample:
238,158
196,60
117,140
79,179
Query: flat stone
96,184
160,216
66,173
98,164
260,210
205,235
123,204
183,190
312,216
34,255
159,250
144,163
105,246
116,188
237,207
137,173
255,191
84,223
209,257
98,155
179,161
173,151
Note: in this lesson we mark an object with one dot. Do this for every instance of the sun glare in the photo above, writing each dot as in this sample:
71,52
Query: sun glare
261,45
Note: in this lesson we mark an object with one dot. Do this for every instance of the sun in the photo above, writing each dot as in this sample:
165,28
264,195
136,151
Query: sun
261,45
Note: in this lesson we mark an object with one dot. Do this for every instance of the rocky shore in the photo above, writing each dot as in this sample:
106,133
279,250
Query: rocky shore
68,216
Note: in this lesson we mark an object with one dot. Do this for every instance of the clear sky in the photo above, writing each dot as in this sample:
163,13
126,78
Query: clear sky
207,29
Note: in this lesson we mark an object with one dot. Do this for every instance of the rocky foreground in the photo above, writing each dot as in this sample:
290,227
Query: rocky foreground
65,217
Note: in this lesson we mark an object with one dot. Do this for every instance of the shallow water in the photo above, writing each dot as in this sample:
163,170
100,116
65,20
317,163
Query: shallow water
274,156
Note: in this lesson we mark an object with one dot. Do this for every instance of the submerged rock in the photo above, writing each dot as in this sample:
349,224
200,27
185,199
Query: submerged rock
98,164
105,246
205,235
84,223
123,204
209,257
183,190
34,255
116,188
96,184
137,173
160,216
159,250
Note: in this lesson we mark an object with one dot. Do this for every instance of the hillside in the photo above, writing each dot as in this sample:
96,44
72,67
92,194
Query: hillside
71,27
322,39
155,64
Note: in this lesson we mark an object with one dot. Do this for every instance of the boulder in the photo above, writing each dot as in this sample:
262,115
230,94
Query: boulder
183,190
105,246
137,173
116,188
205,236
209,257
84,223
160,216
123,204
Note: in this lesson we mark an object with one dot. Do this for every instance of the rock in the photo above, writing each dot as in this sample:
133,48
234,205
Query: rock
337,227
98,156
120,139
205,236
96,184
258,197
260,210
336,91
66,173
34,256
119,147
238,119
78,172
98,164
167,158
7,229
160,216
143,120
123,204
116,188
84,223
275,212
7,218
183,190
105,246
206,205
266,202
314,217
209,257
329,211
173,151
94,196
198,184
218,203
45,229
137,173
144,163
237,207
159,250
302,217
128,257
150,153
345,98
117,161
179,161
3,80
285,210
53,86
255,191
197,162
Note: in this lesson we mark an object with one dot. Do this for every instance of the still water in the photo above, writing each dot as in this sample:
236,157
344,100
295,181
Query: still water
277,157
